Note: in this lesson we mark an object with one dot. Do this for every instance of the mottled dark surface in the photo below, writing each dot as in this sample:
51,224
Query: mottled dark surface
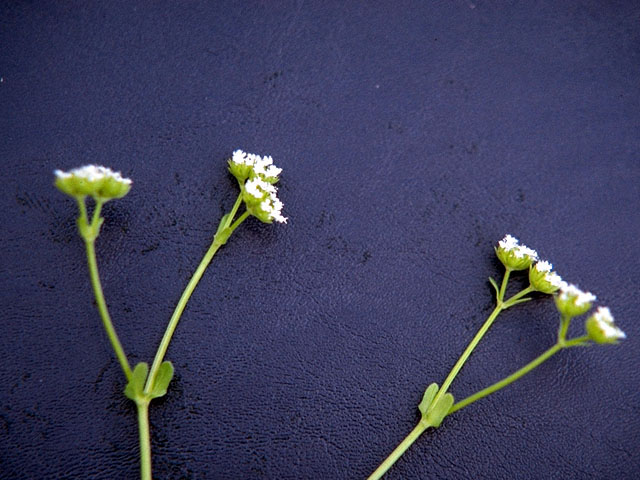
413,136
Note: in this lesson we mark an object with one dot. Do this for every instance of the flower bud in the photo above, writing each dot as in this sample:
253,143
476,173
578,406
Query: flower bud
571,301
601,329
542,279
241,166
514,256
100,182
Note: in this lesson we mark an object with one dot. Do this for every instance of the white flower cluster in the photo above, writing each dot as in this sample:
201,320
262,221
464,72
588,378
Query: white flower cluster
257,176
605,330
545,273
569,292
265,196
510,244
93,173
261,166
102,183
513,255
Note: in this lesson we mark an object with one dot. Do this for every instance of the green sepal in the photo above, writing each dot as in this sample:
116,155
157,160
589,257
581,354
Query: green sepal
135,388
427,398
437,412
163,377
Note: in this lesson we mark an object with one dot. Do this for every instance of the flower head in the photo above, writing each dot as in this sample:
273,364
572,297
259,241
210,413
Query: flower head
601,329
513,255
245,166
101,183
262,202
543,279
571,301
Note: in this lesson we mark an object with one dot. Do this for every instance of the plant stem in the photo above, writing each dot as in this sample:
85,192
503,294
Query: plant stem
102,308
145,440
503,287
518,373
399,450
182,303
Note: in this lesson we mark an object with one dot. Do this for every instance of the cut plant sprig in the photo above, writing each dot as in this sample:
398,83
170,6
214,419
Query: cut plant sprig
256,177
437,403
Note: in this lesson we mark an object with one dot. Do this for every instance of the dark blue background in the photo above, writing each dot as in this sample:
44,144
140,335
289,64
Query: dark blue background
413,136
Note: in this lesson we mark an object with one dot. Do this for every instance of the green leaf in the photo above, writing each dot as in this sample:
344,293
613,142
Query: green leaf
495,285
427,398
223,223
163,377
135,388
440,410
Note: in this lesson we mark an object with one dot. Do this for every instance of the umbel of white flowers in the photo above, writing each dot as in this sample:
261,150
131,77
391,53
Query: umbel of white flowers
570,300
96,181
257,176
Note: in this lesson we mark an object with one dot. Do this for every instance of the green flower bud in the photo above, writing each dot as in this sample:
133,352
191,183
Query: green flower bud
572,302
100,182
514,256
542,279
601,329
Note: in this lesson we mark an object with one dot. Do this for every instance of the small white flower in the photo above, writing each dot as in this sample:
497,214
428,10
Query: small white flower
579,298
513,255
100,182
543,279
543,266
601,327
248,165
257,188
571,301
93,173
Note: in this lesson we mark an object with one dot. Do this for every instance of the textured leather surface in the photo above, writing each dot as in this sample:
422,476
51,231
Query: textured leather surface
413,136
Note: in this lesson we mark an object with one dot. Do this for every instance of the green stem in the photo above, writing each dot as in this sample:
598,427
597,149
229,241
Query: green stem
502,305
564,327
102,308
503,287
145,440
182,303
399,450
517,374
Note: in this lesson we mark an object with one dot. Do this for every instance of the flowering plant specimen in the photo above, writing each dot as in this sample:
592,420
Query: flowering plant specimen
570,302
256,178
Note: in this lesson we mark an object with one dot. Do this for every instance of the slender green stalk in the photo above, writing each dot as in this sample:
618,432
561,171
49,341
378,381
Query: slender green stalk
502,305
399,450
102,308
505,281
145,440
182,303
518,373
422,426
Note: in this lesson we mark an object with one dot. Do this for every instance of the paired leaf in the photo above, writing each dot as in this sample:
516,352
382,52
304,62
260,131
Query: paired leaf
135,388
431,412
437,412
163,377
427,398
